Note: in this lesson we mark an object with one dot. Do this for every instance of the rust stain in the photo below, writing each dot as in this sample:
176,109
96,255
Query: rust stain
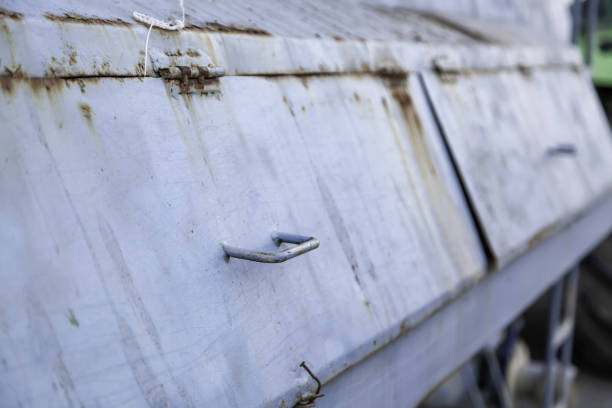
47,84
230,29
81,85
398,142
286,102
304,81
7,85
541,235
356,96
446,76
16,72
13,15
190,52
72,58
440,201
200,86
526,71
139,67
337,37
77,18
85,111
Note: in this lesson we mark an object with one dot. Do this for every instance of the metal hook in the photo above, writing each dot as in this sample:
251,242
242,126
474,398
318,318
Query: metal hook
303,245
308,400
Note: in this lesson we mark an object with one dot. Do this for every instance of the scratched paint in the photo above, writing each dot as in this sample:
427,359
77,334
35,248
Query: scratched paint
149,211
124,187
493,128
374,38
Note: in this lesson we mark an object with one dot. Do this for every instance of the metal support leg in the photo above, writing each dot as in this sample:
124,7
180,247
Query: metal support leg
469,380
591,28
498,378
576,21
571,295
560,336
553,322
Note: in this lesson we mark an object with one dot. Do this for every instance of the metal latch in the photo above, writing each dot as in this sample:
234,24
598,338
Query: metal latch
192,71
446,67
182,72
179,65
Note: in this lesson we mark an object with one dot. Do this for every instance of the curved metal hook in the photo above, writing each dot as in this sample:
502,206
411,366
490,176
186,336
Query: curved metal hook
303,245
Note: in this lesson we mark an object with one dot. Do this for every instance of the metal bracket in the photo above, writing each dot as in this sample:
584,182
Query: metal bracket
304,244
445,64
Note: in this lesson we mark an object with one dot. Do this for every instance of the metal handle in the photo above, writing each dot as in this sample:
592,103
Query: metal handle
562,148
304,244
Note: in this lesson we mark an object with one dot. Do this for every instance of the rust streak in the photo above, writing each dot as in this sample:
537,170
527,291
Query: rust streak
541,235
230,28
48,84
10,14
85,110
7,85
77,18
17,72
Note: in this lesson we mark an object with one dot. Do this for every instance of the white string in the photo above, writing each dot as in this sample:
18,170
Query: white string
147,50
175,25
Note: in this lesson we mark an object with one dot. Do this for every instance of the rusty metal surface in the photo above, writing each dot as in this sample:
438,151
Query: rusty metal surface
122,191
502,128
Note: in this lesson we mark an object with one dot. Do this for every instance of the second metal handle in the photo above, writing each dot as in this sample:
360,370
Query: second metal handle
304,244
562,148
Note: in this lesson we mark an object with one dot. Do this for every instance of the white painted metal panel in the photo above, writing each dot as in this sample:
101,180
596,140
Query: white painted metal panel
75,39
372,19
405,372
115,195
500,127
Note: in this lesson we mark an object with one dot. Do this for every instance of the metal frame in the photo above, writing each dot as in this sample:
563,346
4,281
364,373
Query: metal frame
591,27
560,337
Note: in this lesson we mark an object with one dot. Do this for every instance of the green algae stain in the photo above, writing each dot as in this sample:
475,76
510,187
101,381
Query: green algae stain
72,318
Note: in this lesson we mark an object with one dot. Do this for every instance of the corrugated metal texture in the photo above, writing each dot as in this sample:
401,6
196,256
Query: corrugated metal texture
116,290
501,126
